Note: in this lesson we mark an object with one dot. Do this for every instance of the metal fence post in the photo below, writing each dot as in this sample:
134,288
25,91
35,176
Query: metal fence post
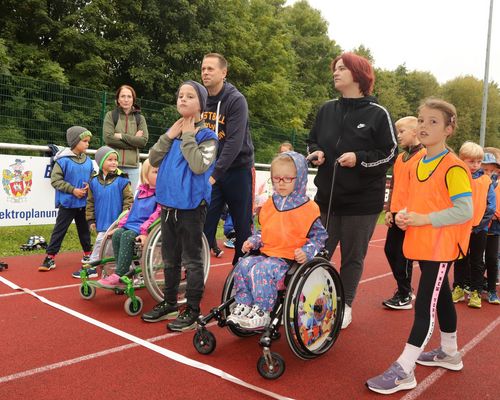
103,113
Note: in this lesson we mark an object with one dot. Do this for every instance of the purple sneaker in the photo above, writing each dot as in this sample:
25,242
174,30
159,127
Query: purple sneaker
110,282
391,381
438,358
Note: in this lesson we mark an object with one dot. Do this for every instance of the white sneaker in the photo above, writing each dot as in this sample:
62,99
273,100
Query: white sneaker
347,317
239,311
255,319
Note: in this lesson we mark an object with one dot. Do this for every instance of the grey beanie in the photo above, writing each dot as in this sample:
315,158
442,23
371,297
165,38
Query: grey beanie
75,134
102,153
200,90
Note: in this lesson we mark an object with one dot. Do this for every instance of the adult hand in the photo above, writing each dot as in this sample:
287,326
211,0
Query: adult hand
300,256
389,220
139,133
118,135
175,129
347,160
247,246
316,157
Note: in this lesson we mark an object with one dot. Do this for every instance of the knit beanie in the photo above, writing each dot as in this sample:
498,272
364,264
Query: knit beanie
103,153
201,91
75,134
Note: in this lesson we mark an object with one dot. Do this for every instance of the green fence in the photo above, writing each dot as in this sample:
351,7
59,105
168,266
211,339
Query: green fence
39,112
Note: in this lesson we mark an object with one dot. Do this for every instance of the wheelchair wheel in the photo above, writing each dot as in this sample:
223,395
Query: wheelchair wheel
87,292
204,341
152,265
313,309
131,308
228,292
273,368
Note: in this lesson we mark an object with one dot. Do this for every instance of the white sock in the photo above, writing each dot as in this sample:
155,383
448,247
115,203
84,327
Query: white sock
449,343
408,357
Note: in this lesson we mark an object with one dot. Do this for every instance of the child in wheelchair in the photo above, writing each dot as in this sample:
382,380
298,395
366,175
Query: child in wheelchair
133,227
291,231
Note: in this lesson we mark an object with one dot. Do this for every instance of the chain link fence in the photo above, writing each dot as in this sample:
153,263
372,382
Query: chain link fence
39,112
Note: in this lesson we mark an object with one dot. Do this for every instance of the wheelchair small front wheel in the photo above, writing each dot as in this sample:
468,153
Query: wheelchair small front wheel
272,366
204,341
133,308
87,292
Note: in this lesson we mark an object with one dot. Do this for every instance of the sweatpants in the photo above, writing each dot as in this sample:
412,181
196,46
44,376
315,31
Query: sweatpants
433,297
235,189
469,270
353,232
97,246
490,257
64,218
401,267
181,245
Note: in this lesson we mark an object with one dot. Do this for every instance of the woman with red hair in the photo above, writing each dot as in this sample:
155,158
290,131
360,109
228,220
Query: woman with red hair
353,143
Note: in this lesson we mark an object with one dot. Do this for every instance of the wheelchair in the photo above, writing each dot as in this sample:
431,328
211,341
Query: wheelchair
310,307
146,270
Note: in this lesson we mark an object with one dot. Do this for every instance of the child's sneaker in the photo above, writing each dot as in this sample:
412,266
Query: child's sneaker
438,358
48,264
85,259
110,281
91,273
239,312
457,294
185,321
217,252
493,298
160,312
255,319
475,299
399,302
229,243
393,380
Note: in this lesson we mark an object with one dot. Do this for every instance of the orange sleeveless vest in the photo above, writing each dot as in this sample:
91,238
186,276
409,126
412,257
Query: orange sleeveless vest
427,243
401,176
480,187
284,231
497,211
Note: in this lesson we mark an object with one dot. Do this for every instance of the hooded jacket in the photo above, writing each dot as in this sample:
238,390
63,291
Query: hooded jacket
128,146
362,126
227,115
287,209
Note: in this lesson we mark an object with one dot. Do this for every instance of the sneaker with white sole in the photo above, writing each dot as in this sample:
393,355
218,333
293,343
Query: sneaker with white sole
438,358
399,302
346,321
393,380
91,273
239,311
255,319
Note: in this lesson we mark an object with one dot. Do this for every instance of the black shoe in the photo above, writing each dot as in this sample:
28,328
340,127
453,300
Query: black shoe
217,252
399,302
48,264
161,312
185,321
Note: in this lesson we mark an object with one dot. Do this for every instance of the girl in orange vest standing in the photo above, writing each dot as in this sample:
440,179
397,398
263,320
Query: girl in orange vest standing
291,230
438,222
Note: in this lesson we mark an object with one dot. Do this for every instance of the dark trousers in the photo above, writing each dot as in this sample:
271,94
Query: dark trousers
235,189
470,269
401,267
433,297
64,218
181,245
491,259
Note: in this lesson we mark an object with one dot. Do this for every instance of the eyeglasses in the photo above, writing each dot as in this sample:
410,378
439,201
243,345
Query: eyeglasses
286,179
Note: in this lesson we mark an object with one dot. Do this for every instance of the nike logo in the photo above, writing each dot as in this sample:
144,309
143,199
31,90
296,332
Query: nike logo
360,126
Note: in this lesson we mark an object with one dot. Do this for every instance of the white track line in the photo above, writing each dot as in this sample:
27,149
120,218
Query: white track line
439,372
151,346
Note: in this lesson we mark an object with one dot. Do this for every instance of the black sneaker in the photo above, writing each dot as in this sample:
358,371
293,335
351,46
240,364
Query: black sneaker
48,264
85,259
161,312
398,302
217,252
185,321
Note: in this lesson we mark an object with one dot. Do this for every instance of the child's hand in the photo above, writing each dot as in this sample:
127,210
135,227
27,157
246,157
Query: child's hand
142,239
300,256
389,220
188,125
176,129
401,221
110,233
247,246
415,219
92,227
79,192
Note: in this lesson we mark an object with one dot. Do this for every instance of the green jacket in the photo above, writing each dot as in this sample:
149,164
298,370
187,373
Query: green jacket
128,147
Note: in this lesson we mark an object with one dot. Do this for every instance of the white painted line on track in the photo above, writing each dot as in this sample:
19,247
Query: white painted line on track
41,290
151,346
373,278
439,372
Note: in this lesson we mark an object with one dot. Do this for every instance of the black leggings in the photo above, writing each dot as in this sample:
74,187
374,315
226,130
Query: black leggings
434,296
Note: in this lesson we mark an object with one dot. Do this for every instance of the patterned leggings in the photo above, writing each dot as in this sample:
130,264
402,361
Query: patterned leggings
123,248
256,280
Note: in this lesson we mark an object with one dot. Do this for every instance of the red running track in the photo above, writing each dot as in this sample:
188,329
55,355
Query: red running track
48,354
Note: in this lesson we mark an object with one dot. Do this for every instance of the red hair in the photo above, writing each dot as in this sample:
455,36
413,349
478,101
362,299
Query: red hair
361,70
125,87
